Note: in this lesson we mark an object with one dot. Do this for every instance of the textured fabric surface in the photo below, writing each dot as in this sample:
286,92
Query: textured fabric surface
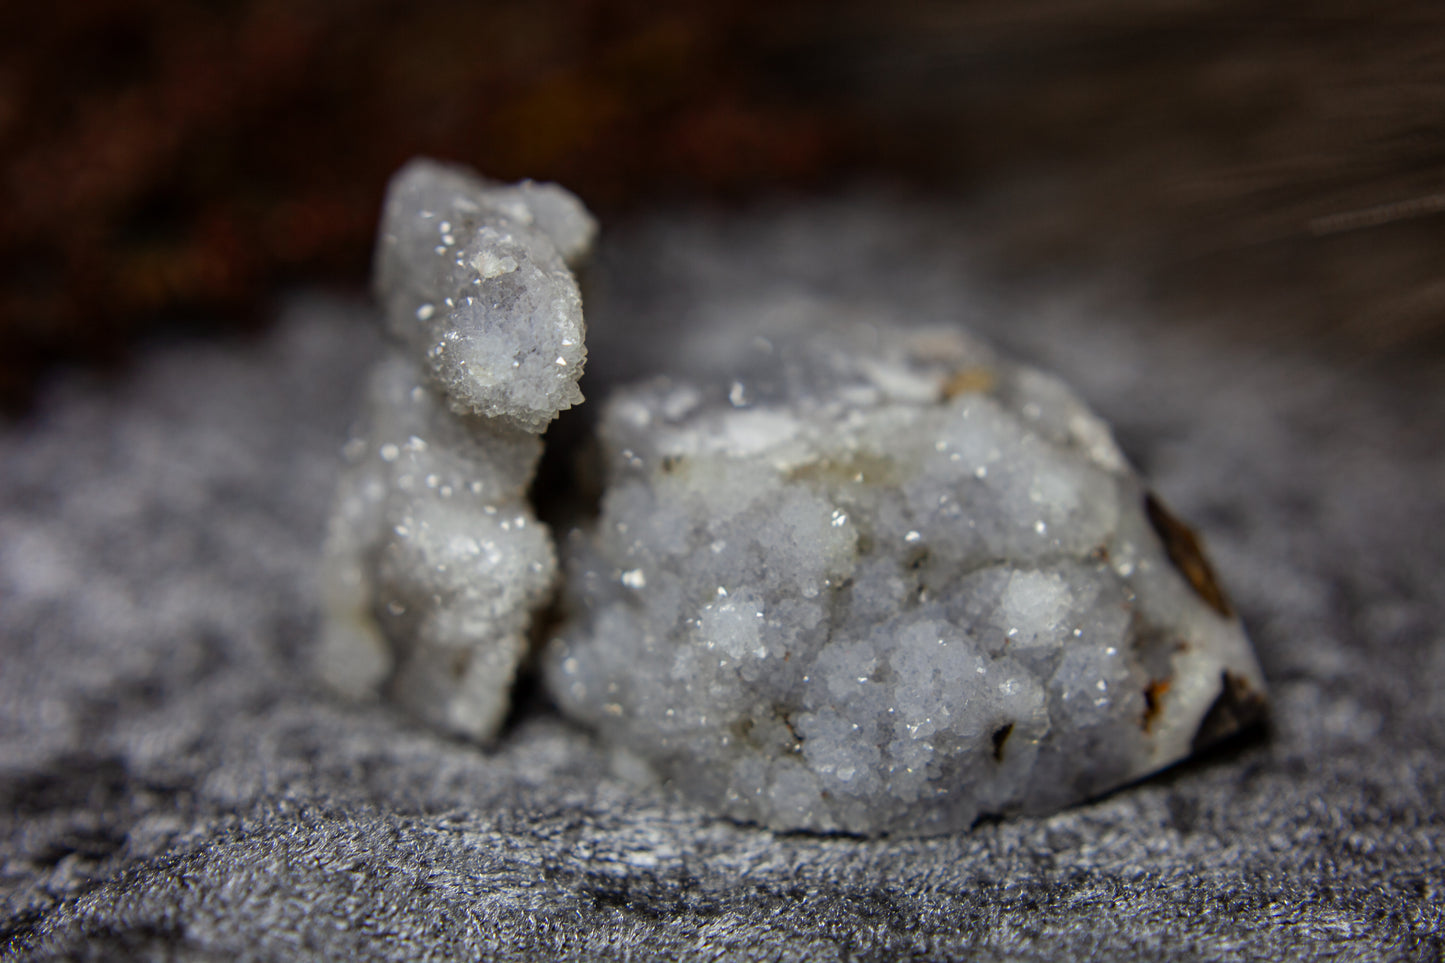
174,784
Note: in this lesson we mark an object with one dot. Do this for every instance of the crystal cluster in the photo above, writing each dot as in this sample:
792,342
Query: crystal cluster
885,582
847,575
474,281
435,561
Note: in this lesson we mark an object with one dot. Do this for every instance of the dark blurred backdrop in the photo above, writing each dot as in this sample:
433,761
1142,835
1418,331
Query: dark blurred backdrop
1279,166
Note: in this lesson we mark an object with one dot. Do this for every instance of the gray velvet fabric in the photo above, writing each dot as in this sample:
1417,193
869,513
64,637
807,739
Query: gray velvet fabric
174,785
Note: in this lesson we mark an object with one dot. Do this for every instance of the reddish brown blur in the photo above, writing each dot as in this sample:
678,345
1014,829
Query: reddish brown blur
164,160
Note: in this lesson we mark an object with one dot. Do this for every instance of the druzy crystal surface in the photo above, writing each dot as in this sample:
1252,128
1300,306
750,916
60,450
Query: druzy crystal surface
435,560
884,581
847,574
473,278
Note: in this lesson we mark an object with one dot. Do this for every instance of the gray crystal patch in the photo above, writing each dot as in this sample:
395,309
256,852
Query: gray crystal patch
885,582
473,277
435,560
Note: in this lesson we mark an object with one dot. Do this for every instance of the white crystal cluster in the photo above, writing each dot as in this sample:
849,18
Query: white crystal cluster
435,560
885,582
847,575
473,278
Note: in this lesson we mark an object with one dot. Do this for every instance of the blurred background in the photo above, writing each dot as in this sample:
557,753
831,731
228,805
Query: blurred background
170,165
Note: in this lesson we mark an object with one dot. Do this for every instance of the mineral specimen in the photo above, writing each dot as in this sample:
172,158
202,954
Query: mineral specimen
435,560
847,575
884,581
